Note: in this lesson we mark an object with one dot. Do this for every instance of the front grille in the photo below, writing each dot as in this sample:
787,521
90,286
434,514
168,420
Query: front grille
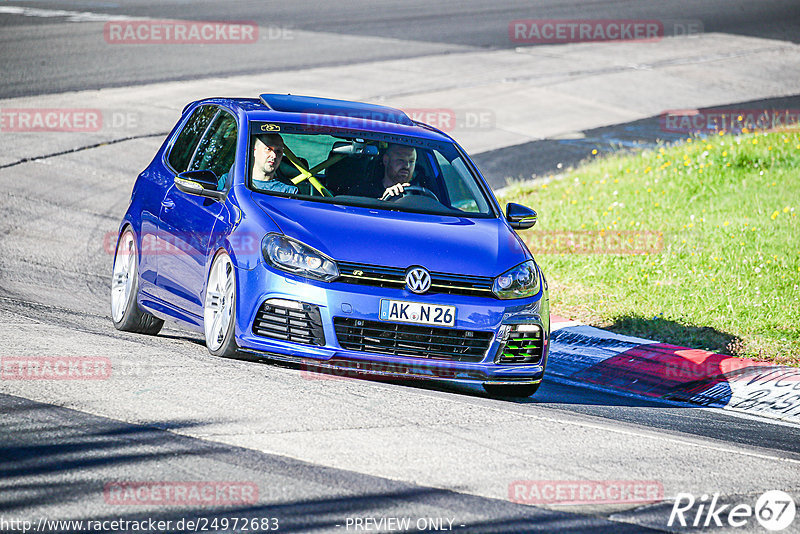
522,347
290,321
451,284
412,340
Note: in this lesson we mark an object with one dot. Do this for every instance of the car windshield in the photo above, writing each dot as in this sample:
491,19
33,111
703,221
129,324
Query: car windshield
356,168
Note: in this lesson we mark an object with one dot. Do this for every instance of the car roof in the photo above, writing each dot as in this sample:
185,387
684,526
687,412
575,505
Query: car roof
328,112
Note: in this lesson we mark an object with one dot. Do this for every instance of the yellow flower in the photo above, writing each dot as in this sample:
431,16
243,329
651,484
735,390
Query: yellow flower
786,209
726,223
774,215
594,151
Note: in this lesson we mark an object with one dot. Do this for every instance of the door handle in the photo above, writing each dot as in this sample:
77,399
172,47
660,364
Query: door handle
168,204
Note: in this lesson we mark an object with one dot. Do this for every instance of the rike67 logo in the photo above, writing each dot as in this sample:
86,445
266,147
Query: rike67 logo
774,510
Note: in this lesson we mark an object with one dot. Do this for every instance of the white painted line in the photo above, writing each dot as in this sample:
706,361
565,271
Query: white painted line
71,16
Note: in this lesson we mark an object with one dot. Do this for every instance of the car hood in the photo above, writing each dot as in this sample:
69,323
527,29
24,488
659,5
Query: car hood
478,247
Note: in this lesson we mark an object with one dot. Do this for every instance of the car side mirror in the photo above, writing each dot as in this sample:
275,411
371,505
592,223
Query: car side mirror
202,183
520,217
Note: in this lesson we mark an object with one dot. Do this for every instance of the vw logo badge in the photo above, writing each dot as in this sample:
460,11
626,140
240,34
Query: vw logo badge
418,280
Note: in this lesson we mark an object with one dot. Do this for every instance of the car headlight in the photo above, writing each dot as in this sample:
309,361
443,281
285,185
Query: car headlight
293,256
518,282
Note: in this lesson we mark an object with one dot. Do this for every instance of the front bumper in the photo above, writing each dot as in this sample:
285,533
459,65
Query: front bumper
337,299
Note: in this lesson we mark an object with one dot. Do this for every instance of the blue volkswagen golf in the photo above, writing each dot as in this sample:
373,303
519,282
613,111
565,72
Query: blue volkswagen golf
334,234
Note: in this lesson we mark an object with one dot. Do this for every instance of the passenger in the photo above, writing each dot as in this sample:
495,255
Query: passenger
398,165
267,155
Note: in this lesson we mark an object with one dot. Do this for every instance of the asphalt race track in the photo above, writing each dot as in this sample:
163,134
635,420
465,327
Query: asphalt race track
325,453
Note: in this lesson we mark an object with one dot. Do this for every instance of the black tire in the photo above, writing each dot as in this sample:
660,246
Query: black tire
228,348
511,390
133,319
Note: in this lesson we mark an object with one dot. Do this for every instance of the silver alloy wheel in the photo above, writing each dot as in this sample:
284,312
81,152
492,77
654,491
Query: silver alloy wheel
219,301
122,279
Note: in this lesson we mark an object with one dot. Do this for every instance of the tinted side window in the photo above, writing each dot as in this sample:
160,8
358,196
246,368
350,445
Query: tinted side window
217,150
187,140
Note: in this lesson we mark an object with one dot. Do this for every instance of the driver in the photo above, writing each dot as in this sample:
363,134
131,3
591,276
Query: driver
398,165
267,154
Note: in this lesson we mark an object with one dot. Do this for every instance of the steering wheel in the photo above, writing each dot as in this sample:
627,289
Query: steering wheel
413,190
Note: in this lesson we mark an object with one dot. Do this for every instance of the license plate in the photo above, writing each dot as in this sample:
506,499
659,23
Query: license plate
417,312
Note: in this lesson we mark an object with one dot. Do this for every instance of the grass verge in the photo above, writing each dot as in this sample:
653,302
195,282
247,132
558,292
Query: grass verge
695,244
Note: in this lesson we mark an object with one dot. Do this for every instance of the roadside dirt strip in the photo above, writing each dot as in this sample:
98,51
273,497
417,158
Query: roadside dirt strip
639,366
